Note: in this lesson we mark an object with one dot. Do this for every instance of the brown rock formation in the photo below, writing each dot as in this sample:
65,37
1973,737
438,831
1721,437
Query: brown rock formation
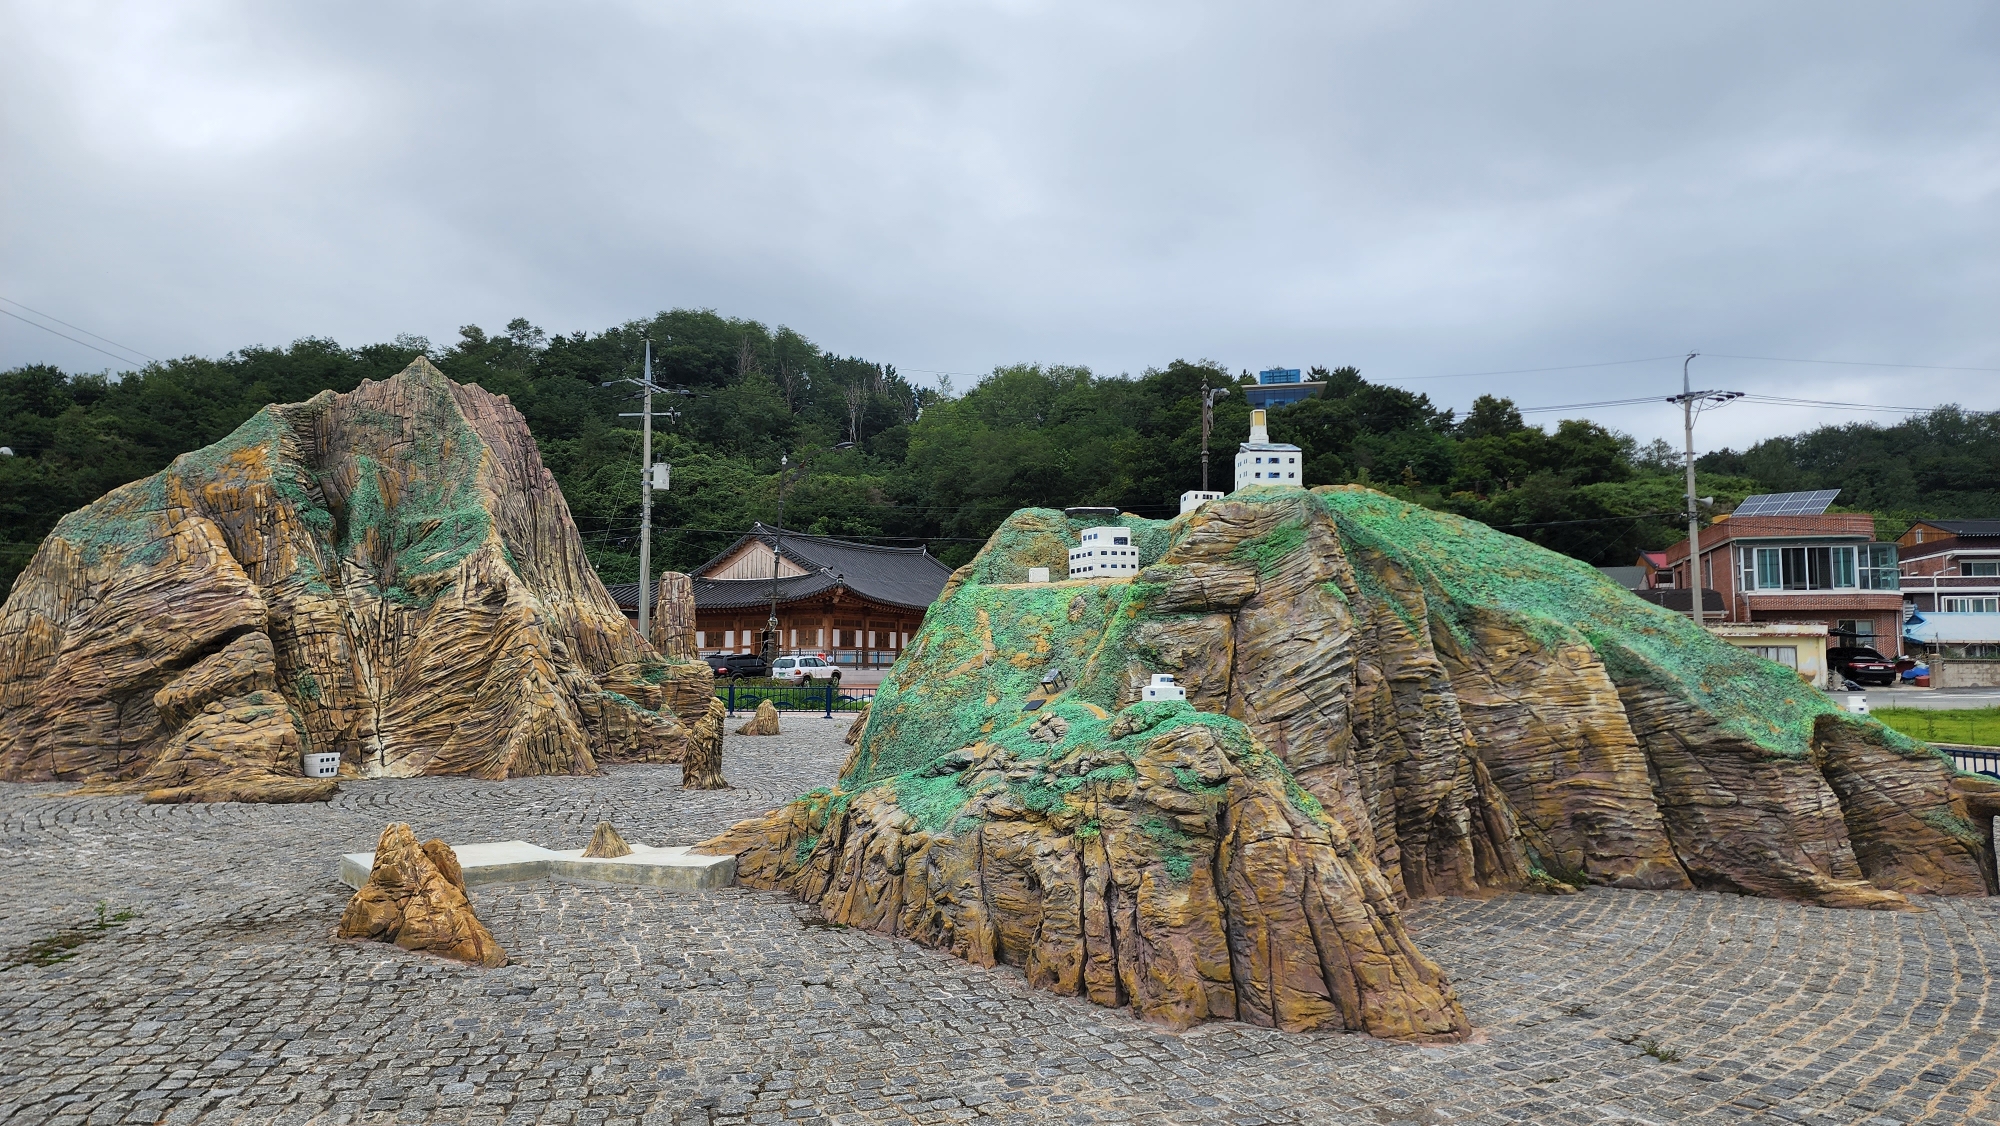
389,574
765,722
415,898
1383,704
606,844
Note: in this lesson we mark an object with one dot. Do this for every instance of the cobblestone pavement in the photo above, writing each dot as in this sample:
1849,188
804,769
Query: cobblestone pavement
226,1000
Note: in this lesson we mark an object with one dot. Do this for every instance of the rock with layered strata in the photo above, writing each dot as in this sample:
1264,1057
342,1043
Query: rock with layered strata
388,574
606,844
415,897
765,722
1384,704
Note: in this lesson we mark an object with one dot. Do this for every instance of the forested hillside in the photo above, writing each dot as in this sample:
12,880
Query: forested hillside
930,466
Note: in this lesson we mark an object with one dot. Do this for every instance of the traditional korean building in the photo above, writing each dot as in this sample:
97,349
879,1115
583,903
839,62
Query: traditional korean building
858,603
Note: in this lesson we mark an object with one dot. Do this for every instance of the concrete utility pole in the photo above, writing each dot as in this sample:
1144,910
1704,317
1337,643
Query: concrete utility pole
651,476
1691,401
771,646
1208,399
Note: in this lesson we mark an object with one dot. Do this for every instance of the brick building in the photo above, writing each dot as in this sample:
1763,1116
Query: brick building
1951,566
858,603
1825,568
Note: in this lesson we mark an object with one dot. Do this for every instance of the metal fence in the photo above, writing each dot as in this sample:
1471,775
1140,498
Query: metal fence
823,696
1975,760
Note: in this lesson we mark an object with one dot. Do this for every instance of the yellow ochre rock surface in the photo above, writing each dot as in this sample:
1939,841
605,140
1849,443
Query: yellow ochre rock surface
765,722
1384,703
388,574
415,897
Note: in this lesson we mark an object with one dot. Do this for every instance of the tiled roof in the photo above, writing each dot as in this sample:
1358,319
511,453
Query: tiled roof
1676,598
893,576
1965,527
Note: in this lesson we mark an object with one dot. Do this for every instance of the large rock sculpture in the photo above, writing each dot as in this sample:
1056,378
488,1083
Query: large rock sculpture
389,574
1384,703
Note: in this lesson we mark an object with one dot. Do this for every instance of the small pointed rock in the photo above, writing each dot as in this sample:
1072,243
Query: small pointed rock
765,722
605,843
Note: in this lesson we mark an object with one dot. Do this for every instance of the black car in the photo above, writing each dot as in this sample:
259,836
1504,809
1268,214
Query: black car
1862,665
738,665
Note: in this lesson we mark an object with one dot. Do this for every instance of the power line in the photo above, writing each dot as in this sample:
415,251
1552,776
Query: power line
1530,371
68,337
78,328
1843,363
1581,406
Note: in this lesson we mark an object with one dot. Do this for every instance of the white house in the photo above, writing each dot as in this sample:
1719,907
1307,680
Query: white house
1164,688
1195,498
1260,461
1104,553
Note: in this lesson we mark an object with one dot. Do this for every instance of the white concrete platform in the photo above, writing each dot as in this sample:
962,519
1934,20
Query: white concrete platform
496,862
493,862
674,868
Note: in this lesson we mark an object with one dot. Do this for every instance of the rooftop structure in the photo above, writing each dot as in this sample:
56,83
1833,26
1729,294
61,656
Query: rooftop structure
1277,387
1260,461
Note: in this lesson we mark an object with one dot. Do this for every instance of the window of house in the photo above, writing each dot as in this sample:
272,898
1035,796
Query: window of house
1786,655
1806,568
1972,605
1880,569
700,639
1984,568
1855,631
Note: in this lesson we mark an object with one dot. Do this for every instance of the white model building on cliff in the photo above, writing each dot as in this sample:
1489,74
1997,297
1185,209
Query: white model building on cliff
1260,461
1163,688
1195,498
1104,553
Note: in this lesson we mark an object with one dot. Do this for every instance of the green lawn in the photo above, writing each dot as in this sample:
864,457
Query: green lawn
1979,727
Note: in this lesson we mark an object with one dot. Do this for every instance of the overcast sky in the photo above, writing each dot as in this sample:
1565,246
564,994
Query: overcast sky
1417,189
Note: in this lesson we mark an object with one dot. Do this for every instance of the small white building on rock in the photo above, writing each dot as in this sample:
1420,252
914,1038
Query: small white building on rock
1260,461
1163,688
1104,553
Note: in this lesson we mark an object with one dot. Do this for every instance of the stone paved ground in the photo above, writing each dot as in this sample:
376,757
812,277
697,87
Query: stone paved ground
225,1000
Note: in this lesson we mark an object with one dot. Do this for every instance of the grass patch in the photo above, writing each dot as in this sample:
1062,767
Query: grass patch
1976,727
66,944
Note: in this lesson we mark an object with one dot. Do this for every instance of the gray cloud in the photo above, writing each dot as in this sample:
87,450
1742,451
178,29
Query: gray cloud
1417,189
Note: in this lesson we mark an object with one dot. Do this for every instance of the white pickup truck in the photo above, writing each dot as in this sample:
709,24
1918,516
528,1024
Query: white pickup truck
801,669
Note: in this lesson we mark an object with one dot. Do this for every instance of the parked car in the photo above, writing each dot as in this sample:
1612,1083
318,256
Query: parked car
738,665
1862,665
803,667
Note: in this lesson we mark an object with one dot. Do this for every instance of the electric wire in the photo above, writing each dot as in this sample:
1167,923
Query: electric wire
71,339
80,329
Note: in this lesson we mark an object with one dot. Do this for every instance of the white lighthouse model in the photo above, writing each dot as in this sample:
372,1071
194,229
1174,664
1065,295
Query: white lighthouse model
1260,461
1163,688
1104,553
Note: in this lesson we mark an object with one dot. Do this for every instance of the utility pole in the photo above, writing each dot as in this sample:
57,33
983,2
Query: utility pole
1692,402
1208,399
646,495
650,477
771,646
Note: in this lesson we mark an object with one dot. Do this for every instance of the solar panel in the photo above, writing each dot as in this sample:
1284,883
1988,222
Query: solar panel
1787,504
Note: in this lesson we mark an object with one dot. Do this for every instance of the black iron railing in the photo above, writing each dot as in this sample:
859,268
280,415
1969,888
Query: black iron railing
823,696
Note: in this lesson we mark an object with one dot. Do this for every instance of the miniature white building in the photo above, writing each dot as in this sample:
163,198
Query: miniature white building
1164,688
1104,553
1260,461
1038,574
1195,498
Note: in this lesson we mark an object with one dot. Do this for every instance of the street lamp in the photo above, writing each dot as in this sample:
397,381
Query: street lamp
770,645
1208,398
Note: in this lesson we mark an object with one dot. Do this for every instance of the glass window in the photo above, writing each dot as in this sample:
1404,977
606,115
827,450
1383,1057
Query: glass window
1879,569
1985,568
1770,573
1972,605
1843,567
1786,655
1121,539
